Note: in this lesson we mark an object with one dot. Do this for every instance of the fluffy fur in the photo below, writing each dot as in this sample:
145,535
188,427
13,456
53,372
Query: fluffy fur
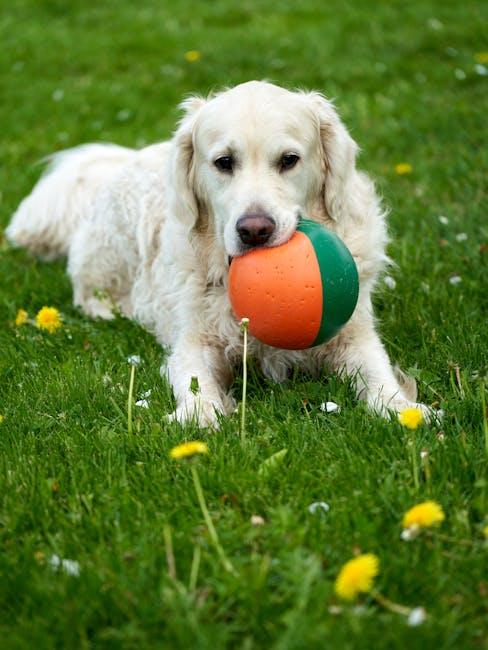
153,231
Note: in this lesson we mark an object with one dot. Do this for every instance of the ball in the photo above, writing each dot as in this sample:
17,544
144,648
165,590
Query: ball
297,295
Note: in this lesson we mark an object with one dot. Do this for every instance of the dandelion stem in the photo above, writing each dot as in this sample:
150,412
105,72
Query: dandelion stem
447,538
244,326
211,529
426,467
459,381
195,565
130,398
484,414
389,604
170,556
414,464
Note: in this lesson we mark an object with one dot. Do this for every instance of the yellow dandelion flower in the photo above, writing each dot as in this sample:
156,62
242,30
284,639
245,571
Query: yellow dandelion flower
2,418
49,318
485,531
357,576
403,168
193,55
21,318
411,418
481,57
423,515
188,449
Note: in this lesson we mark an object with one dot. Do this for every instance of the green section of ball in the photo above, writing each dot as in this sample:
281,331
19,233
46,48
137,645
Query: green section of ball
340,280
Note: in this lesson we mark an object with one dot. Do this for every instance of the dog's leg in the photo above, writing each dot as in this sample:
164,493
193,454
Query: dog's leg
102,262
361,356
199,375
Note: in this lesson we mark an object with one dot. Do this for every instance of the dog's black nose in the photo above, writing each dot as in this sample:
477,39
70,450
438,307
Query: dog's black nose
255,228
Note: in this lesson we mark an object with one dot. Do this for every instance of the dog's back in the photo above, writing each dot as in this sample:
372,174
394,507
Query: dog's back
45,221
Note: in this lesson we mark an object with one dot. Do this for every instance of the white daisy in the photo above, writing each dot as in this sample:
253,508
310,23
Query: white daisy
416,617
318,505
257,520
70,567
330,407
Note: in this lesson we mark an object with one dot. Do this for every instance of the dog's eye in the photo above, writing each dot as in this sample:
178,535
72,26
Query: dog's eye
225,164
288,160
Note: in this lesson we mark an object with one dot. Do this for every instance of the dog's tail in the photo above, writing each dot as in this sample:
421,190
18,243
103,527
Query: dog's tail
65,194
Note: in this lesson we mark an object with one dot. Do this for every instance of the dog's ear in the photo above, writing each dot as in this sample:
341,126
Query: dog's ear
342,183
349,195
182,199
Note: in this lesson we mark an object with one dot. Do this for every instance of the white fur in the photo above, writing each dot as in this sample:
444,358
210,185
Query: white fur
151,231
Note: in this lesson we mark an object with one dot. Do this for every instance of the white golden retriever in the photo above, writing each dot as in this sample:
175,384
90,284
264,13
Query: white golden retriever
152,232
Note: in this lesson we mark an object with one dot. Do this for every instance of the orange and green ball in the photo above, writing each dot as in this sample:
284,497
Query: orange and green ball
297,295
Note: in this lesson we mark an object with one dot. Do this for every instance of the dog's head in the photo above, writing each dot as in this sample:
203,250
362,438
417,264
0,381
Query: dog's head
250,161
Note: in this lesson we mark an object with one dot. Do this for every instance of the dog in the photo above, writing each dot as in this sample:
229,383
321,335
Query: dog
153,232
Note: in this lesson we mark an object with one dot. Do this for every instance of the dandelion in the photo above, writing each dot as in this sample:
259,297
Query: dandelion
461,236
2,418
482,70
443,220
192,56
356,576
455,280
49,319
423,515
411,417
21,318
188,449
403,168
134,360
485,529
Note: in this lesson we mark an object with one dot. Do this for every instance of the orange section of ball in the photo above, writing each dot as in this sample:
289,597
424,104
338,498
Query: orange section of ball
280,290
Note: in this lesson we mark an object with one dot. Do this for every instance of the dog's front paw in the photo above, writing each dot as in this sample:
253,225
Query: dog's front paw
98,308
196,410
395,406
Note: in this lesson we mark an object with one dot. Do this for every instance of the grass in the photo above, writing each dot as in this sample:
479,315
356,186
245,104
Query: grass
76,484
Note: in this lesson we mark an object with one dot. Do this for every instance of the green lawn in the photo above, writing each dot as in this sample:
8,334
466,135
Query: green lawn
409,81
